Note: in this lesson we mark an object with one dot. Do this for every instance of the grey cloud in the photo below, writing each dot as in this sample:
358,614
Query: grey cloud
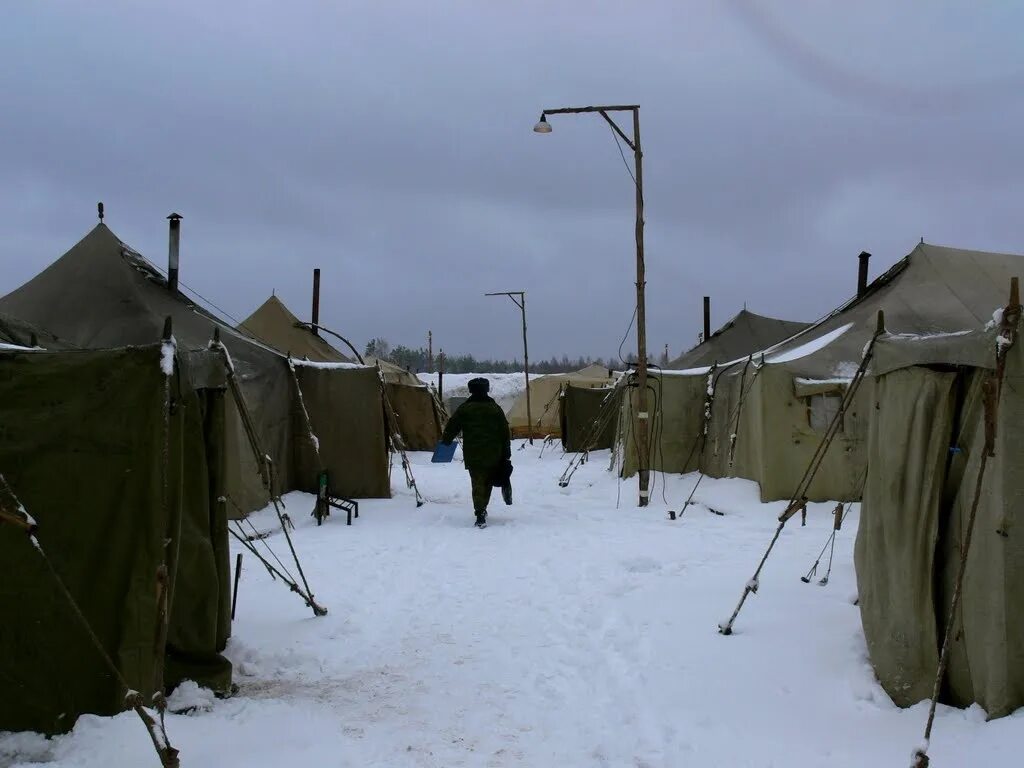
390,144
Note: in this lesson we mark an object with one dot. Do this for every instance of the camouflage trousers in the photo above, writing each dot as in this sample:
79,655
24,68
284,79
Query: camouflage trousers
481,480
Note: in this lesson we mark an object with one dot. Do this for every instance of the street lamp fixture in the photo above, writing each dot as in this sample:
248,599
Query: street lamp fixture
643,421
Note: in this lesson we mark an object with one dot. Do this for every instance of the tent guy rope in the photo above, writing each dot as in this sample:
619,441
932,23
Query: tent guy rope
798,501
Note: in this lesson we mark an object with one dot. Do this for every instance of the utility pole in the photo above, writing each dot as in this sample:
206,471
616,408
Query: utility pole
430,352
643,422
521,303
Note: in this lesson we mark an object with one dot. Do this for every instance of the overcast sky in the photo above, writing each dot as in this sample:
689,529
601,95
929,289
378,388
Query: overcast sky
390,144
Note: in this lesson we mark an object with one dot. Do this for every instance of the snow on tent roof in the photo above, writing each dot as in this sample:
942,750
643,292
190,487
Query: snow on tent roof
394,374
745,334
275,325
933,292
808,347
934,289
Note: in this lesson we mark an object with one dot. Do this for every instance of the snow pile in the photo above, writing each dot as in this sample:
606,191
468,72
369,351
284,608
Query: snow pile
505,387
569,633
189,697
997,319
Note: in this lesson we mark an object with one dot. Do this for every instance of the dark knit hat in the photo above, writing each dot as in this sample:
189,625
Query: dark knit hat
479,386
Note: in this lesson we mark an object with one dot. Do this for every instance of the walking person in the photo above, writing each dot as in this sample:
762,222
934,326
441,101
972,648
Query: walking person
486,443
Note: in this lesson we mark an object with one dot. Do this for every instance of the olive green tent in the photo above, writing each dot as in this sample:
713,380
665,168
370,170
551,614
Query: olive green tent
417,418
587,423
925,446
743,335
83,446
418,413
15,332
346,414
101,293
544,400
768,413
275,325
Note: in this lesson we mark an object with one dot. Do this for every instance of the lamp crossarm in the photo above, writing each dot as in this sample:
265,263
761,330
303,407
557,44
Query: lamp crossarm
603,111
512,295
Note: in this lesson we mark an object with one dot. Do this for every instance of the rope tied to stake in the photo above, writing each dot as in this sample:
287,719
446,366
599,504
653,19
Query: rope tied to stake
799,500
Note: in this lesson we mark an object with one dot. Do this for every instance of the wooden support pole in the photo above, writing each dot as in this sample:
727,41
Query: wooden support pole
234,593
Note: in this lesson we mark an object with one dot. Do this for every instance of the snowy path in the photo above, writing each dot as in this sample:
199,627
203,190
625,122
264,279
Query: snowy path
569,633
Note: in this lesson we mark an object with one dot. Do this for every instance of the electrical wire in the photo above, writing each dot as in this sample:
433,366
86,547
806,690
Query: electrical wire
626,335
618,143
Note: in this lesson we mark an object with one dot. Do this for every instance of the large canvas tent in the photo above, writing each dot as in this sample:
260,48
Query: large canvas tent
417,418
545,394
768,414
102,293
586,421
112,471
926,443
743,335
345,408
418,413
275,325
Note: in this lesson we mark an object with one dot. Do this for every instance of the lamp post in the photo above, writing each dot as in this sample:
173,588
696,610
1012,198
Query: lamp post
521,303
642,428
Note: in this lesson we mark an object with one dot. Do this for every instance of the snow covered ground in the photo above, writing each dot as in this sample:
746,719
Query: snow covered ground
505,387
568,633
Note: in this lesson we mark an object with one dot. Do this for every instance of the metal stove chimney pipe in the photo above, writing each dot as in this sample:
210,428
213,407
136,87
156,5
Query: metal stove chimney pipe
172,251
316,302
707,318
862,274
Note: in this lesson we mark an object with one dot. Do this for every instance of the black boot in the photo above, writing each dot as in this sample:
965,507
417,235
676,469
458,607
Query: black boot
481,519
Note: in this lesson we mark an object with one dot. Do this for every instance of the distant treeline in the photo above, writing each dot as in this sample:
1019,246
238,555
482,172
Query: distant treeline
417,361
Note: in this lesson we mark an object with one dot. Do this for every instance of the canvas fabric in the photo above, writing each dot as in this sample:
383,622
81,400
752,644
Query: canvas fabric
419,414
913,521
899,527
276,326
103,294
743,335
394,374
545,403
418,420
676,405
928,299
17,332
346,410
581,408
81,444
